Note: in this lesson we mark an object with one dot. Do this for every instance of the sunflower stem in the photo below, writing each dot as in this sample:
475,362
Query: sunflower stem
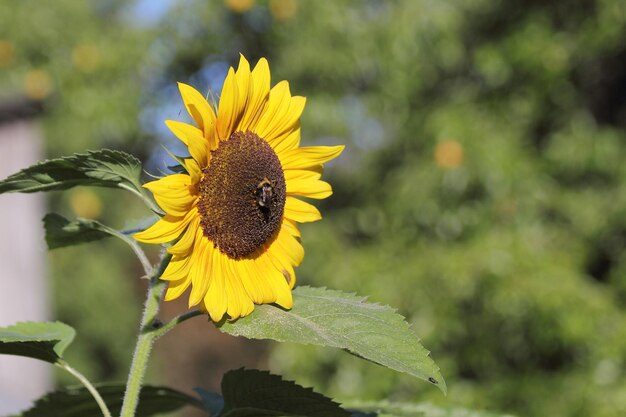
145,339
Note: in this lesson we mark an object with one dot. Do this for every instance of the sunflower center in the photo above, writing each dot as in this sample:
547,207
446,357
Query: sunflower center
242,195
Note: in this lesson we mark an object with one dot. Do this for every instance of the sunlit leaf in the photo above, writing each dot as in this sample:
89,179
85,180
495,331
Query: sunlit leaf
102,168
392,409
38,340
331,318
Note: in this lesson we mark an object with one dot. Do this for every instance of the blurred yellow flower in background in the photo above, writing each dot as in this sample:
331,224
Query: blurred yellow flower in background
37,84
283,9
449,154
86,57
239,6
86,203
7,53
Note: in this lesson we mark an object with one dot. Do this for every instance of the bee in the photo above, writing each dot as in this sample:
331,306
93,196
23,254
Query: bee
264,192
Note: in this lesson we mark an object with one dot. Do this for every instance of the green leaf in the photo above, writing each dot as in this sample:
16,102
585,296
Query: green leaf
60,232
390,409
254,393
331,318
103,168
78,402
44,341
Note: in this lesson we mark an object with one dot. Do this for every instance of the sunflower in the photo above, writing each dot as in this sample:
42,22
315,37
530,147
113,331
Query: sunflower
232,215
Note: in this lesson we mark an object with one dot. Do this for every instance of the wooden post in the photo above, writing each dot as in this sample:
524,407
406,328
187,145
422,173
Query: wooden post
23,273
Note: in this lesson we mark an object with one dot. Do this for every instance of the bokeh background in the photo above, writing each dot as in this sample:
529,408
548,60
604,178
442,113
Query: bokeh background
482,191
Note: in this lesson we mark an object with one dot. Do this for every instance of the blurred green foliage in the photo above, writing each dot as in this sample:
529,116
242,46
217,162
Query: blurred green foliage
481,193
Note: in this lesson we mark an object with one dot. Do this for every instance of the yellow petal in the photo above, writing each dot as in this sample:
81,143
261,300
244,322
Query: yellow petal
284,123
286,138
276,108
305,157
286,269
176,288
257,95
215,298
309,188
247,306
228,111
173,193
284,297
243,82
234,291
192,137
290,276
284,261
194,170
287,141
170,182
292,227
185,244
277,280
200,272
167,228
255,282
288,246
249,281
198,107
177,269
302,175
183,130
293,280
298,210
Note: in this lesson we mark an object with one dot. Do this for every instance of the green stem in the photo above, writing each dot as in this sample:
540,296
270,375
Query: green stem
141,255
145,339
175,321
103,407
144,196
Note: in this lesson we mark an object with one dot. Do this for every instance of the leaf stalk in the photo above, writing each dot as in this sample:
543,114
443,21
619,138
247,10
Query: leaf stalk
92,390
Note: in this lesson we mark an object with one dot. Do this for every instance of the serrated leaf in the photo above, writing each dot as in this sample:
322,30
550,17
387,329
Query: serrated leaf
254,393
60,232
78,402
102,168
44,341
331,318
391,409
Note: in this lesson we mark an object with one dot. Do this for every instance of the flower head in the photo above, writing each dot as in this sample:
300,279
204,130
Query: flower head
233,215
